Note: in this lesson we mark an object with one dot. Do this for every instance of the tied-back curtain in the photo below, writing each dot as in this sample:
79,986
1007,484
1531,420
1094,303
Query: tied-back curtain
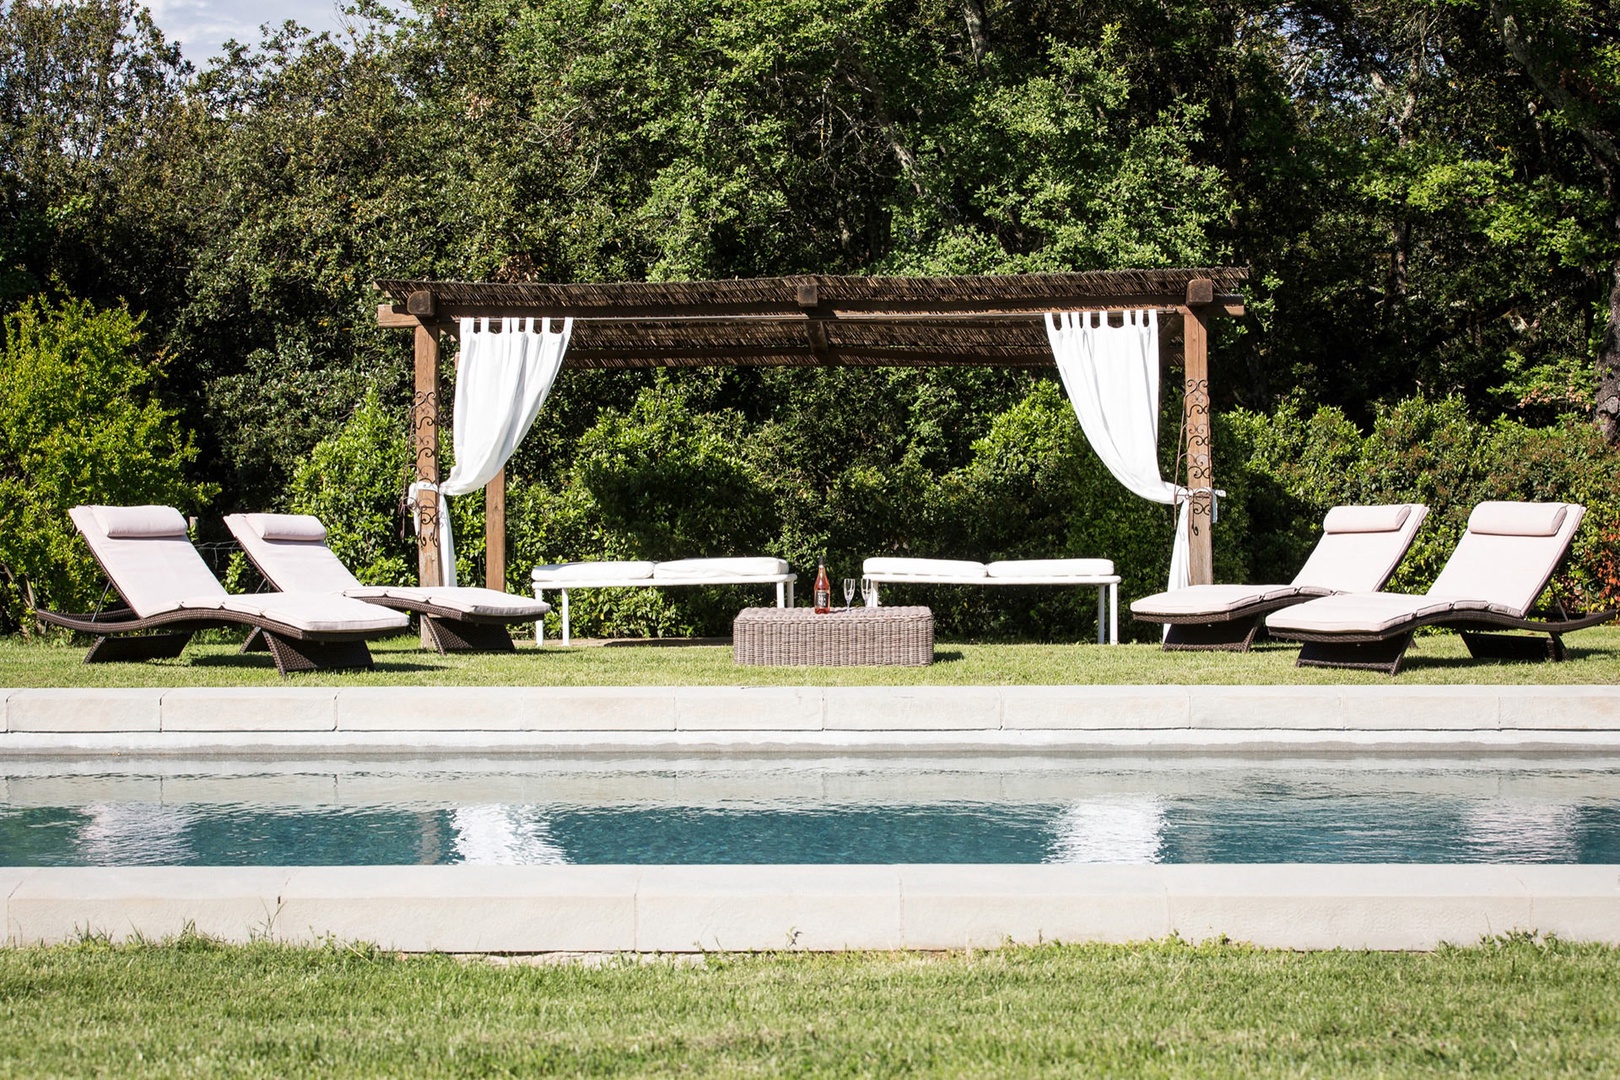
501,382
1111,374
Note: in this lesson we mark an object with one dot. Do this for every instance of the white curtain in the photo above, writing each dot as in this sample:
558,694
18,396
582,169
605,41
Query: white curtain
1112,376
501,382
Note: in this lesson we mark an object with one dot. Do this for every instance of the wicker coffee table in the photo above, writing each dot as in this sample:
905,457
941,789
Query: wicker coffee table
844,637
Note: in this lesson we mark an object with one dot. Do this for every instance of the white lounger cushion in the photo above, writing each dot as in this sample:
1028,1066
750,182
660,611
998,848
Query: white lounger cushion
606,570
1355,519
1354,554
160,571
138,522
291,550
954,569
1213,599
1492,571
157,572
467,599
1359,549
718,569
1050,569
305,528
1506,568
1517,518
1370,613
318,613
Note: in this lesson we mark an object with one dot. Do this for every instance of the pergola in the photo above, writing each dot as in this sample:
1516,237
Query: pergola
813,320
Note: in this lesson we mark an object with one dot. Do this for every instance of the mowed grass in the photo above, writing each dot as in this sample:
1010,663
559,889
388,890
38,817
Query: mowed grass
1435,658
1514,1008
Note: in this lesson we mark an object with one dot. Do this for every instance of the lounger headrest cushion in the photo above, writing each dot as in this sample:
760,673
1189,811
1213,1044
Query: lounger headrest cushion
301,527
139,522
1517,518
1366,519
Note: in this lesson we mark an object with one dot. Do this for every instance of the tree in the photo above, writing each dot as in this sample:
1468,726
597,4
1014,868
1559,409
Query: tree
79,423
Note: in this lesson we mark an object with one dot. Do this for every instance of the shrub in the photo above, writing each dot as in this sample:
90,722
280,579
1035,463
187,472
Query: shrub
79,423
353,481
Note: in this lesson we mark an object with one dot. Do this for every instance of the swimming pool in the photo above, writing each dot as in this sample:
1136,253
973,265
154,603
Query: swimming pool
775,810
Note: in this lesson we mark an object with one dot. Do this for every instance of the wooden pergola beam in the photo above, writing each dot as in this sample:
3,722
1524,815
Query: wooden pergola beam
811,321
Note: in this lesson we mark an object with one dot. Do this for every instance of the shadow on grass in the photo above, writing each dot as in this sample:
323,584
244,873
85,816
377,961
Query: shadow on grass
945,655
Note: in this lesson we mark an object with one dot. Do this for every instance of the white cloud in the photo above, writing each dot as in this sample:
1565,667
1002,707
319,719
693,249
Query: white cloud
203,26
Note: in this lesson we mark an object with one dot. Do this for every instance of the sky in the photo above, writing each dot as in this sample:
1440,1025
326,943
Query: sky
203,26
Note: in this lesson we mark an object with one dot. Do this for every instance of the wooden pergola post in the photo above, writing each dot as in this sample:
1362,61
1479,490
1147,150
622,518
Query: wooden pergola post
495,533
1200,460
425,429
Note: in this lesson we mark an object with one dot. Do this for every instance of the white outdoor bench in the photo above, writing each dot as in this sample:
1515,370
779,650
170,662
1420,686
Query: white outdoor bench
563,577
1095,572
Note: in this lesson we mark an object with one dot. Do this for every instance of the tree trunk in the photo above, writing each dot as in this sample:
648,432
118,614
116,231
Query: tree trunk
978,30
1608,363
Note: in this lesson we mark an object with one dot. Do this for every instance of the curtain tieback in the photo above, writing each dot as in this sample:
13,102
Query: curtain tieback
1215,497
412,493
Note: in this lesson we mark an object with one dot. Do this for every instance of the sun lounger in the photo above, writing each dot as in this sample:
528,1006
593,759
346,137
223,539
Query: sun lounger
166,585
1096,572
1501,565
1360,548
290,551
607,574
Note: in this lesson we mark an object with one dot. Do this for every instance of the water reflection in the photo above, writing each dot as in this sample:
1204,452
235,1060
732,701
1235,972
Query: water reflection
1128,830
809,812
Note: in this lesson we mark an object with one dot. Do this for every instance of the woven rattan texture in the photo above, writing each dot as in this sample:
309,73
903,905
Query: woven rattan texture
845,637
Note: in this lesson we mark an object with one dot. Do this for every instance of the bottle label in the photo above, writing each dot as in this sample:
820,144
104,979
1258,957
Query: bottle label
823,599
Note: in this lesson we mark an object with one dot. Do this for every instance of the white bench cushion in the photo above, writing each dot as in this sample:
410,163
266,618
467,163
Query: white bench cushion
607,569
932,568
718,570
1050,569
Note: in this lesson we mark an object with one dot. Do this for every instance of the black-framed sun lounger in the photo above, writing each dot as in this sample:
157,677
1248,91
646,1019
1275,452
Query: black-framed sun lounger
1098,573
166,586
290,551
1498,570
641,574
1359,549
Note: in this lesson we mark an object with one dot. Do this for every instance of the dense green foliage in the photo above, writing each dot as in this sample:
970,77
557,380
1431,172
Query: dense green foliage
79,423
1508,1008
1428,194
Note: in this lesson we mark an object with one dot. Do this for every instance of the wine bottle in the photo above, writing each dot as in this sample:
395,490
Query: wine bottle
823,588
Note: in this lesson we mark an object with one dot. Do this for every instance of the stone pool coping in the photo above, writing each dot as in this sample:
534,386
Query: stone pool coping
685,909
728,719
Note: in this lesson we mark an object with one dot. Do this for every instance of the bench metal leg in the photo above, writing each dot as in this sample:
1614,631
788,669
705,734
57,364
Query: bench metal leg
540,623
781,594
1113,614
565,631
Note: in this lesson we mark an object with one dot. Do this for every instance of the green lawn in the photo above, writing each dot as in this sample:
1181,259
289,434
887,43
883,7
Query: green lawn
1439,658
1514,1008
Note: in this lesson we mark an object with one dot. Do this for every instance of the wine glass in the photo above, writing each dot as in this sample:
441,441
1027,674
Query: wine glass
869,594
849,591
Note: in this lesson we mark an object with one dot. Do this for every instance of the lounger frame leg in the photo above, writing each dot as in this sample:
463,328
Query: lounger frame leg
1234,635
136,647
255,642
1385,656
456,635
1483,646
291,654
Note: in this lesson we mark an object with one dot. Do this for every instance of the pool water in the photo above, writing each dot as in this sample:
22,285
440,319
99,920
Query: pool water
781,811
